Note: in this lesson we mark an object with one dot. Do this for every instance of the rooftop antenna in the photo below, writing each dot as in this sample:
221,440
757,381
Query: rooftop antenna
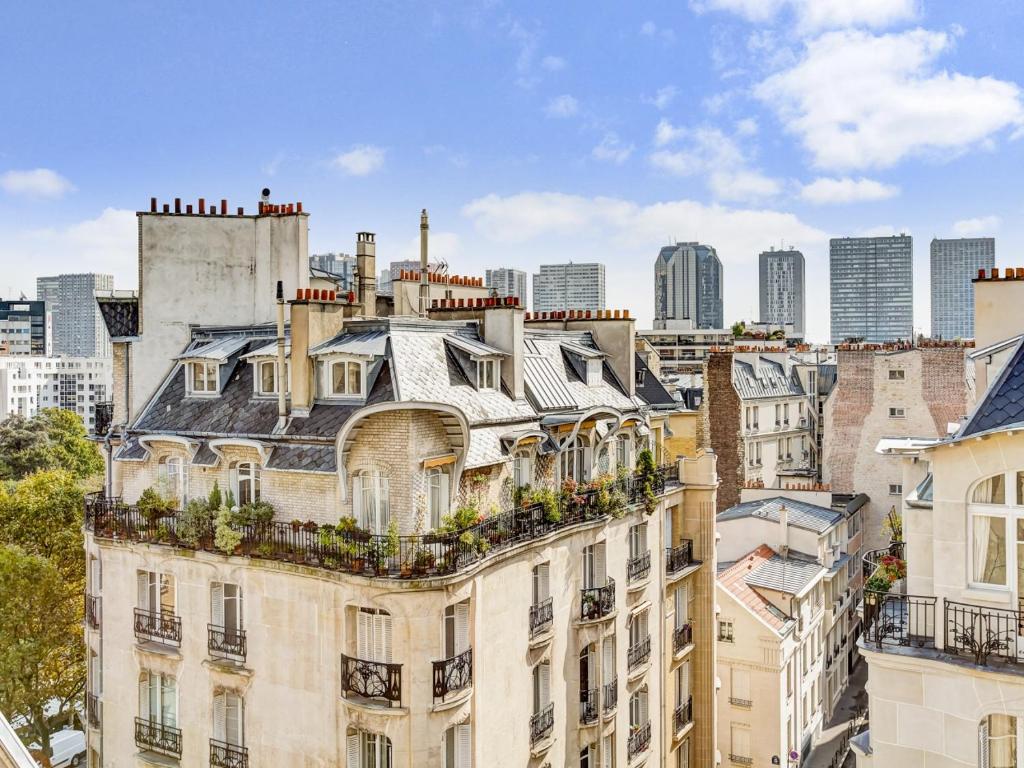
424,284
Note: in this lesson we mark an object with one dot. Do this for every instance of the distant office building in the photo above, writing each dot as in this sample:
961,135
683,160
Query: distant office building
872,288
507,282
23,328
568,286
954,264
688,286
413,265
782,289
384,282
78,329
339,265
31,383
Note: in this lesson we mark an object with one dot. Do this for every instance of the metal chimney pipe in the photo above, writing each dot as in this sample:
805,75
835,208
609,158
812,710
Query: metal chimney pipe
424,285
282,406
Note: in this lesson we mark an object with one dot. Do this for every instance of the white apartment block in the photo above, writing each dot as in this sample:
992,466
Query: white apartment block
29,384
507,282
571,286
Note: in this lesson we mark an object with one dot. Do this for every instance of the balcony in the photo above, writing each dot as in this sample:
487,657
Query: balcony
224,755
541,616
683,714
679,557
93,710
373,681
429,555
155,627
588,707
610,695
597,602
638,568
682,637
157,737
225,643
104,417
453,675
542,724
638,653
639,740
92,611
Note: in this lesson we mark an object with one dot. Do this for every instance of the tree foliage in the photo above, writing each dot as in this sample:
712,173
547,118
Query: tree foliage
41,643
53,439
43,515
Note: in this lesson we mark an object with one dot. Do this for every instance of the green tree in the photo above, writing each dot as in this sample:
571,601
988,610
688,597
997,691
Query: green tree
53,439
41,643
24,447
70,447
738,329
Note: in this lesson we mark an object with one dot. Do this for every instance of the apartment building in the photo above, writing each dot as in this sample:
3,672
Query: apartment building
887,391
781,289
340,268
572,286
754,417
451,548
954,264
688,287
871,283
507,282
78,329
29,384
684,350
24,328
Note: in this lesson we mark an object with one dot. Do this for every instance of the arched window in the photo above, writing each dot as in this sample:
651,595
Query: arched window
996,510
173,475
572,462
370,501
245,482
1000,741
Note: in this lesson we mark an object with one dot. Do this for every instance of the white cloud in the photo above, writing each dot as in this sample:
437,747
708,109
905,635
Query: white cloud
553,63
815,15
746,127
742,186
662,98
444,246
652,30
858,100
39,182
825,191
612,150
562,106
361,160
982,225
666,133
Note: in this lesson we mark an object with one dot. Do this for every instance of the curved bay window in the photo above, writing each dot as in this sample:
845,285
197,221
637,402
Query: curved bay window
245,482
1000,741
572,461
996,509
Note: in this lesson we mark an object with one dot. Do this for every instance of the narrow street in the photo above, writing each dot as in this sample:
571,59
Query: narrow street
833,736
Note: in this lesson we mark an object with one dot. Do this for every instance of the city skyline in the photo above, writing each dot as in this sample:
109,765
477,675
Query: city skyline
564,156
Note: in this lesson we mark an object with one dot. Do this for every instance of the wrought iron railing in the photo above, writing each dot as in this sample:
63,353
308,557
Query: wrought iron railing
610,695
453,675
93,710
588,706
638,567
899,620
638,653
597,602
224,755
541,616
371,680
683,714
682,636
542,723
417,556
981,633
871,561
226,643
157,627
679,557
639,739
93,615
151,735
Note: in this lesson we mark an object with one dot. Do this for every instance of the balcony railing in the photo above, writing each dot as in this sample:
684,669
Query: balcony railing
639,567
103,417
417,556
610,695
372,680
157,737
224,755
453,675
93,604
597,602
982,633
225,643
679,557
93,710
639,740
156,627
682,636
683,714
638,653
541,616
542,723
588,706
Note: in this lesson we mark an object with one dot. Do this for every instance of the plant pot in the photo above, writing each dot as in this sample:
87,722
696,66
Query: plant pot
358,565
406,571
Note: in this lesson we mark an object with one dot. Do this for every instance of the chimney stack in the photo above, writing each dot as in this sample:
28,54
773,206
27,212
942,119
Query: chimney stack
366,270
424,284
783,531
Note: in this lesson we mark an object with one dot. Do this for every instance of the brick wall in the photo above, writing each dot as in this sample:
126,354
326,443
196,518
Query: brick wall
719,427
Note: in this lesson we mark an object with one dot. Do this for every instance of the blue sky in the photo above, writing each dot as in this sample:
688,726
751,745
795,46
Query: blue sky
532,131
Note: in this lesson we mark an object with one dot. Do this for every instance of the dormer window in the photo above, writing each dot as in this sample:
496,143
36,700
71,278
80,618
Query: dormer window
488,374
202,377
346,378
595,371
265,377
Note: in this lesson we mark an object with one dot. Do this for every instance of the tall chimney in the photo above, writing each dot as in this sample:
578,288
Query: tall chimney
424,284
783,531
366,269
282,379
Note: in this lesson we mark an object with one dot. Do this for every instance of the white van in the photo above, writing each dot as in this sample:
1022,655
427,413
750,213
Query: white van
67,748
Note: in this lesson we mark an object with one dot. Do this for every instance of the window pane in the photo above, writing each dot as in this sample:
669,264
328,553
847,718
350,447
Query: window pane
338,379
990,549
267,377
991,491
355,379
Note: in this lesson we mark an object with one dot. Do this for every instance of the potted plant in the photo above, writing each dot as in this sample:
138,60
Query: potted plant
226,538
265,550
311,526
422,561
195,523
348,528
296,525
152,506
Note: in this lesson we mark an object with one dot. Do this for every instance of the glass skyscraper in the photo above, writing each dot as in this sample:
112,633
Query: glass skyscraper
872,288
688,287
781,289
954,264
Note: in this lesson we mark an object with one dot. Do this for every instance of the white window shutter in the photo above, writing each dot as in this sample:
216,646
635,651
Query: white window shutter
220,717
143,586
681,607
600,577
608,660
357,501
643,708
382,638
461,627
983,753
233,719
352,748
384,502
463,747
445,494
217,604
544,676
95,574
544,583
144,711
684,683
169,701
95,674
606,752
363,634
